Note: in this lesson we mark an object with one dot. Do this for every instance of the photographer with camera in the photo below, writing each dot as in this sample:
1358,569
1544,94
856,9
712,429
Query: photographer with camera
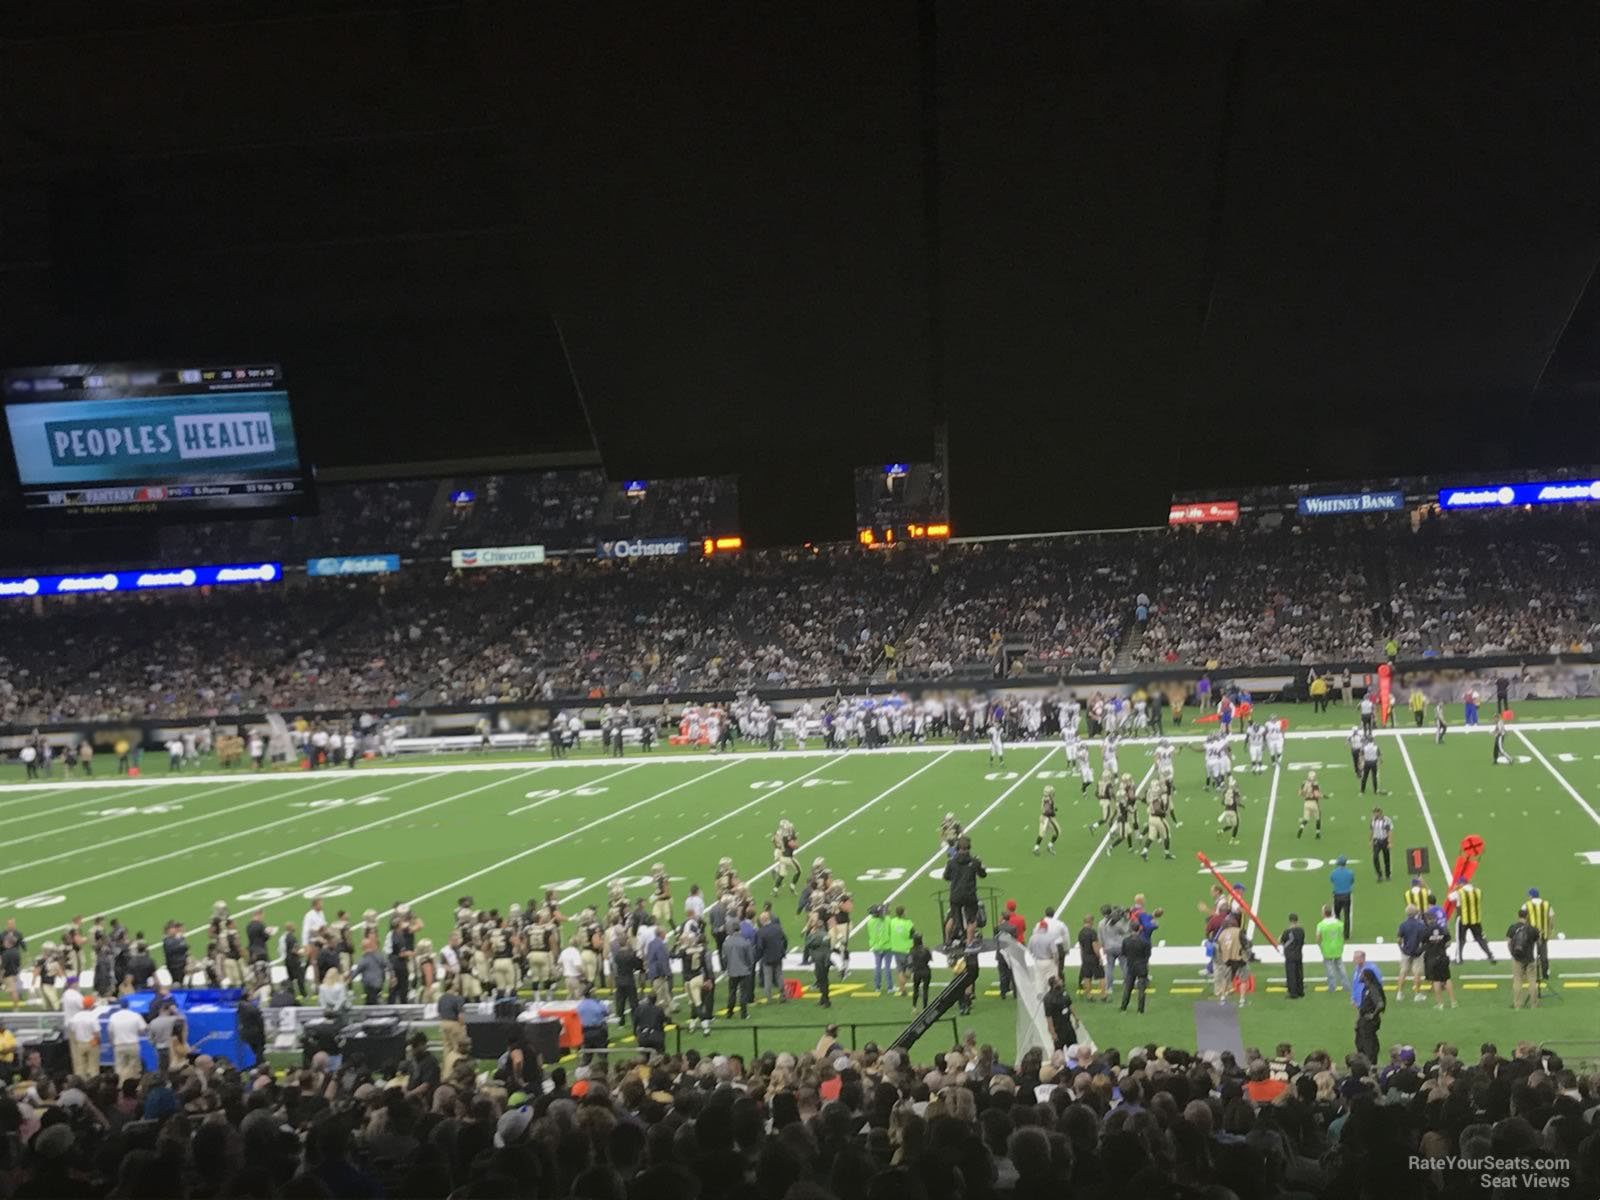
962,873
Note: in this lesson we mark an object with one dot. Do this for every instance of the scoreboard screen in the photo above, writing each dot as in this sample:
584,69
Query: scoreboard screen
124,440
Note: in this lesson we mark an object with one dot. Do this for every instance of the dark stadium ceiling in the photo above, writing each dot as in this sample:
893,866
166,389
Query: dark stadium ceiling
1118,247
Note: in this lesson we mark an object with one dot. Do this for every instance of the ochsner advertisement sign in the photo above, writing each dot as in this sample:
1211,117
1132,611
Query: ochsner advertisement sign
642,548
498,556
1363,502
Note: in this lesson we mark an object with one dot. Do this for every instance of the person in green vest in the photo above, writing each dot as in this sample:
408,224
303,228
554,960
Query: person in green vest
878,943
1330,941
900,935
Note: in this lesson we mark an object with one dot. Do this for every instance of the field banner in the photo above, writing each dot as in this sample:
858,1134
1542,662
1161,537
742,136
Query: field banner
497,556
1354,504
642,548
361,564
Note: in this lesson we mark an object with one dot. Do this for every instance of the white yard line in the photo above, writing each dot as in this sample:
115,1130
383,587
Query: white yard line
888,791
43,793
544,799
572,833
856,812
298,892
78,826
1266,838
711,824
24,862
111,909
39,813
509,764
1088,866
921,871
1559,777
1446,862
189,851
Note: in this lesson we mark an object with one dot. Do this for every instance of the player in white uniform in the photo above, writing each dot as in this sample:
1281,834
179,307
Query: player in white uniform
1085,768
802,723
1108,753
1275,740
1209,746
1255,737
997,745
1069,719
1163,754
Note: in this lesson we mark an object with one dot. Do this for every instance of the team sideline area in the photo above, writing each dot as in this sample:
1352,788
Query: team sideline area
420,836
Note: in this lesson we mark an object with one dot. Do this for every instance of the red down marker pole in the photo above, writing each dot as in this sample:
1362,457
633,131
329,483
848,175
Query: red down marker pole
1238,897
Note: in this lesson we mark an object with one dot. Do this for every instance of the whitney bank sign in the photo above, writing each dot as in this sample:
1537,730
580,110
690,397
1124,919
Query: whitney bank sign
1355,504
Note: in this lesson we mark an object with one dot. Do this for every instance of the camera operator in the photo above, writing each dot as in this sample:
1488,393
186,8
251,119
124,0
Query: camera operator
962,873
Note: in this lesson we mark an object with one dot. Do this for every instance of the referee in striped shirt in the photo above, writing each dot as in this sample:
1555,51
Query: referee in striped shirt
1543,919
1469,919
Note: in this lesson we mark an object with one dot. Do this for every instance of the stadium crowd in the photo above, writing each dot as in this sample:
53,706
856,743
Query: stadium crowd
870,1124
838,616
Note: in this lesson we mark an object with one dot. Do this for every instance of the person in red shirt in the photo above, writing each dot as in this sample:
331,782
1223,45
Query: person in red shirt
1014,919
1261,1087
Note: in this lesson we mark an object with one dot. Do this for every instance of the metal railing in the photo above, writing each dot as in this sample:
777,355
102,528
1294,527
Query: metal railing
854,1027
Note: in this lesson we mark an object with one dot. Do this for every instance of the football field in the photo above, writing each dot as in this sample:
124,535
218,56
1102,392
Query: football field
506,829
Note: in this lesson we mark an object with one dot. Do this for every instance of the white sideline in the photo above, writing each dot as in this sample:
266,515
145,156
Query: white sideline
506,764
1571,950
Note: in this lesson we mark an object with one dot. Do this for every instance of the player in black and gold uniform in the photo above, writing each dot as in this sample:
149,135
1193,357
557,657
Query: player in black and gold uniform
1158,808
1228,819
785,843
1311,808
1105,793
1047,821
1124,822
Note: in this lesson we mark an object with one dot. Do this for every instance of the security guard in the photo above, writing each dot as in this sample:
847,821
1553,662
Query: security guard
1469,919
1419,895
1543,919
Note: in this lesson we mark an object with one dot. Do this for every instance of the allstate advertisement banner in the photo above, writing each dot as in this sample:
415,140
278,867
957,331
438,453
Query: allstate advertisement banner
139,581
360,564
642,548
92,441
1363,502
1565,491
498,556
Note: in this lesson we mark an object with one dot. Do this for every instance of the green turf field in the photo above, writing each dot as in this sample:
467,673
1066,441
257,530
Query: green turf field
424,833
